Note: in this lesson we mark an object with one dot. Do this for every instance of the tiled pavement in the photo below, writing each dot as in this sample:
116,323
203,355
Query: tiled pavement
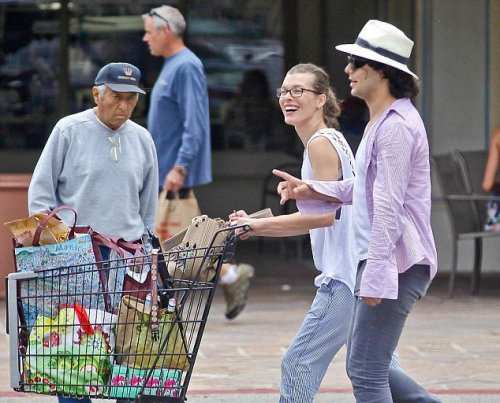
451,346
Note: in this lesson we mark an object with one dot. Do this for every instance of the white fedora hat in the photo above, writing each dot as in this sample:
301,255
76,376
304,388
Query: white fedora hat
383,43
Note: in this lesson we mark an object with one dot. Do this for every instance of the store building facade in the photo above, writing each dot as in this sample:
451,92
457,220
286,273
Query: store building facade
50,52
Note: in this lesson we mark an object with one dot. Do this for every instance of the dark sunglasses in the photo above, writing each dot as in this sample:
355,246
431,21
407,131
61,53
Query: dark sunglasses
356,61
153,13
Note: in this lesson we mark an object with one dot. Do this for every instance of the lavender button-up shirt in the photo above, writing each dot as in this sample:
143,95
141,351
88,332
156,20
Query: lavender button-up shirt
398,192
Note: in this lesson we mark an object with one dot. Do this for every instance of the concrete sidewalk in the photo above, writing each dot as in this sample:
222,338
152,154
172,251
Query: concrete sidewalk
450,346
269,398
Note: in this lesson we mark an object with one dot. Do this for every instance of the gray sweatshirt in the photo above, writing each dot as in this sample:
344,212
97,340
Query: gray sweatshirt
110,177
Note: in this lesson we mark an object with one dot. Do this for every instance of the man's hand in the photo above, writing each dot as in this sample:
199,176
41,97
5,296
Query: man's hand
174,181
371,301
292,188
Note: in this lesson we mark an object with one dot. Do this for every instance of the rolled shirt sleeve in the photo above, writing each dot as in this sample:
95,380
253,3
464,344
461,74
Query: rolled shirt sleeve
393,155
341,190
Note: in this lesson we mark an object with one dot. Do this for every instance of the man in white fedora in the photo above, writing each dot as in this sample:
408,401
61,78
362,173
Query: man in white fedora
391,198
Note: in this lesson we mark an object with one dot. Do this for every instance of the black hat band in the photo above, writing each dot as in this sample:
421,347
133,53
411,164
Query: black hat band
382,51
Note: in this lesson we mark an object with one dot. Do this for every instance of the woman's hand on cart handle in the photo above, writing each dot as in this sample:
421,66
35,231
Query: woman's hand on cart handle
239,218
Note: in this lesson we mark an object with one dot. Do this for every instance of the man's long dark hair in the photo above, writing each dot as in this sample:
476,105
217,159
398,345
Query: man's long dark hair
401,84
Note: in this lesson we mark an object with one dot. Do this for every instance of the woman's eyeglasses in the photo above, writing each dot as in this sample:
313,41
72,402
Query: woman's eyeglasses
356,61
153,13
295,92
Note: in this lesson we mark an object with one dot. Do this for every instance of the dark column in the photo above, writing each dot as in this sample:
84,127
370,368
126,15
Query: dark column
63,94
290,29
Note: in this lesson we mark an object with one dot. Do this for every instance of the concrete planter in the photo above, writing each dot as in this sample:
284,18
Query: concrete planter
14,204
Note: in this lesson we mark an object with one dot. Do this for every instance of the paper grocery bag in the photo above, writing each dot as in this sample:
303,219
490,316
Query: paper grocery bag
23,230
135,344
174,214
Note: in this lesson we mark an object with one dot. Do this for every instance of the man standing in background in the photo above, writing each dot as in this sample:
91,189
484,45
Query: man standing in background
178,120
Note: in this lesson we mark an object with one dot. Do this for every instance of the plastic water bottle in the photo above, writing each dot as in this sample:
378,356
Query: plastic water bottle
171,305
148,300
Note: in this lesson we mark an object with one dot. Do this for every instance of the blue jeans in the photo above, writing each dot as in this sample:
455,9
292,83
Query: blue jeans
373,338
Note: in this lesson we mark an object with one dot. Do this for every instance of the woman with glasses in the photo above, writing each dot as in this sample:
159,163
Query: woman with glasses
309,104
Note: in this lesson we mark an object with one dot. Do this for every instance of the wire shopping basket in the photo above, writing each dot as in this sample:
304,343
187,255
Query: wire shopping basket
136,338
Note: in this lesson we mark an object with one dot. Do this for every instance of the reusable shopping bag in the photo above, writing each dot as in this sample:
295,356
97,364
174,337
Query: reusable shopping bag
125,270
69,354
66,272
143,328
174,213
136,345
136,259
126,383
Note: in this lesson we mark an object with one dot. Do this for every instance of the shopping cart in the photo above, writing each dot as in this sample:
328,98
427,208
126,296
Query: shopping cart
138,343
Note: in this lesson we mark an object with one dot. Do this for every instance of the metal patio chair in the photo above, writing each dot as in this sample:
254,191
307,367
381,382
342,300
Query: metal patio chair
464,206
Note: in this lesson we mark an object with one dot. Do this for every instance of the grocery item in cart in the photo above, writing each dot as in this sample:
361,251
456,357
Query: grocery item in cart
23,230
187,254
126,382
136,344
129,267
64,270
69,354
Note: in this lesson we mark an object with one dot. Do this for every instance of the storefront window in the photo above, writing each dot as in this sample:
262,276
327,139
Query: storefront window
239,43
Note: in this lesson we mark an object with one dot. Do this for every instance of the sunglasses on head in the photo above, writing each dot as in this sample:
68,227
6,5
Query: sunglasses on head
153,13
356,61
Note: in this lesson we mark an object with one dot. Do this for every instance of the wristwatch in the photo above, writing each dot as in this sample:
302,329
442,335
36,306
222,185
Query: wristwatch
180,169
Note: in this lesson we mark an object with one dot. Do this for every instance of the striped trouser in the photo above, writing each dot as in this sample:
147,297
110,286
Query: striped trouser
322,333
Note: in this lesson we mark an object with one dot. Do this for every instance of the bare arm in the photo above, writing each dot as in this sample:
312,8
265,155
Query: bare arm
324,159
492,164
281,226
325,164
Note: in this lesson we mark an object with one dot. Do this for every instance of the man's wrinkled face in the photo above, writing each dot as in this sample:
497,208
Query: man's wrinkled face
114,108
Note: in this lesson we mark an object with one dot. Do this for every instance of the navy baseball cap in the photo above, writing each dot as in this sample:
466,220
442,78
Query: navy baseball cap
120,77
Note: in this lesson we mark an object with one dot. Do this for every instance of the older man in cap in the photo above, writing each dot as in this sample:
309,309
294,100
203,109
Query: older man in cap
391,198
101,163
